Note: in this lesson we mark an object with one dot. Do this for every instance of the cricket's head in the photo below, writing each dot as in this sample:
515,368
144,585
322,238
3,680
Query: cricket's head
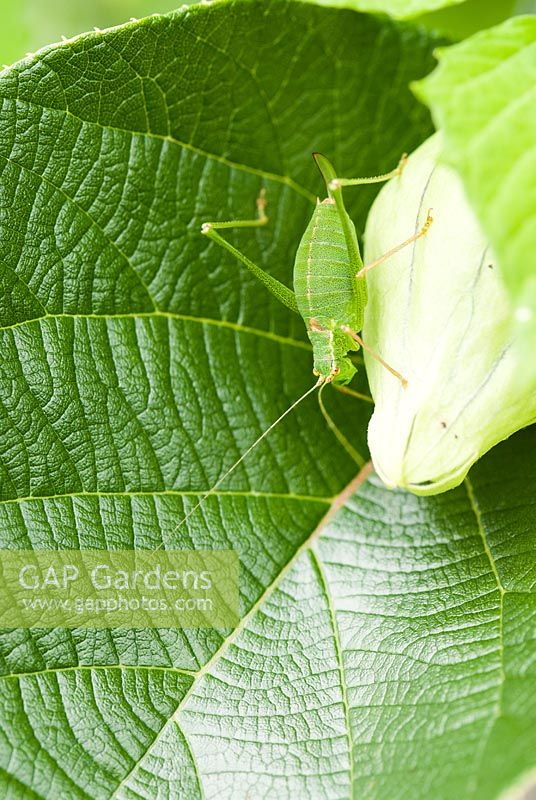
346,371
339,374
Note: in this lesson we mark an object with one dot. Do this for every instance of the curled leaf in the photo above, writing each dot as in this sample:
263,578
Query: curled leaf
439,312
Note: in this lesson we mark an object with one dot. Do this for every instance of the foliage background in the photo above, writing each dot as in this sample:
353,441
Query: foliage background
28,25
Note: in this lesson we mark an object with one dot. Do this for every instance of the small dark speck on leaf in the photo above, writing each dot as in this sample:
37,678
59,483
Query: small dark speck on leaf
443,424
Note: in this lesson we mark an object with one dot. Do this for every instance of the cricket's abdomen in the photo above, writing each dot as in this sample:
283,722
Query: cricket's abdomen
328,293
325,285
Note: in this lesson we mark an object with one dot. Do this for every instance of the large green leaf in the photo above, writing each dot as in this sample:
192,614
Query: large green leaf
483,96
138,362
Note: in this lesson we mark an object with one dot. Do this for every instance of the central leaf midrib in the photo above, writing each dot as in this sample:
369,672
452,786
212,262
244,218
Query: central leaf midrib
340,663
338,502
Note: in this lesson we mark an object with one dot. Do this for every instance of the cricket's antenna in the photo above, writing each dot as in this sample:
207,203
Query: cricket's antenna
243,456
337,431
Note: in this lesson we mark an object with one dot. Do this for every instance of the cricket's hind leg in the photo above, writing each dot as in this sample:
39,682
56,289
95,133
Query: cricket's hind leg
278,289
339,435
355,336
422,232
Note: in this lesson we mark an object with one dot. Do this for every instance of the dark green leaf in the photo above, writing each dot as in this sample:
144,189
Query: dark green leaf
138,362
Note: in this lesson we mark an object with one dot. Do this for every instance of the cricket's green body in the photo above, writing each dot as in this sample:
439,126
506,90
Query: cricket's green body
327,292
330,292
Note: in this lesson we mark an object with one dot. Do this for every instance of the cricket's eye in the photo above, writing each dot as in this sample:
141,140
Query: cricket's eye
464,309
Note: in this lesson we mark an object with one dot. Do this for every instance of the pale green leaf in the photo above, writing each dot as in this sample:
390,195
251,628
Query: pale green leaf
440,311
462,20
398,9
483,97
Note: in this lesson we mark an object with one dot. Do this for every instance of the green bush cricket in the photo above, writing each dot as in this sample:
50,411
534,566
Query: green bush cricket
330,290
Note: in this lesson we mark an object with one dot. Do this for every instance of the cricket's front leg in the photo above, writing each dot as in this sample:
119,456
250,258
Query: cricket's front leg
422,232
334,183
335,186
278,289
335,189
